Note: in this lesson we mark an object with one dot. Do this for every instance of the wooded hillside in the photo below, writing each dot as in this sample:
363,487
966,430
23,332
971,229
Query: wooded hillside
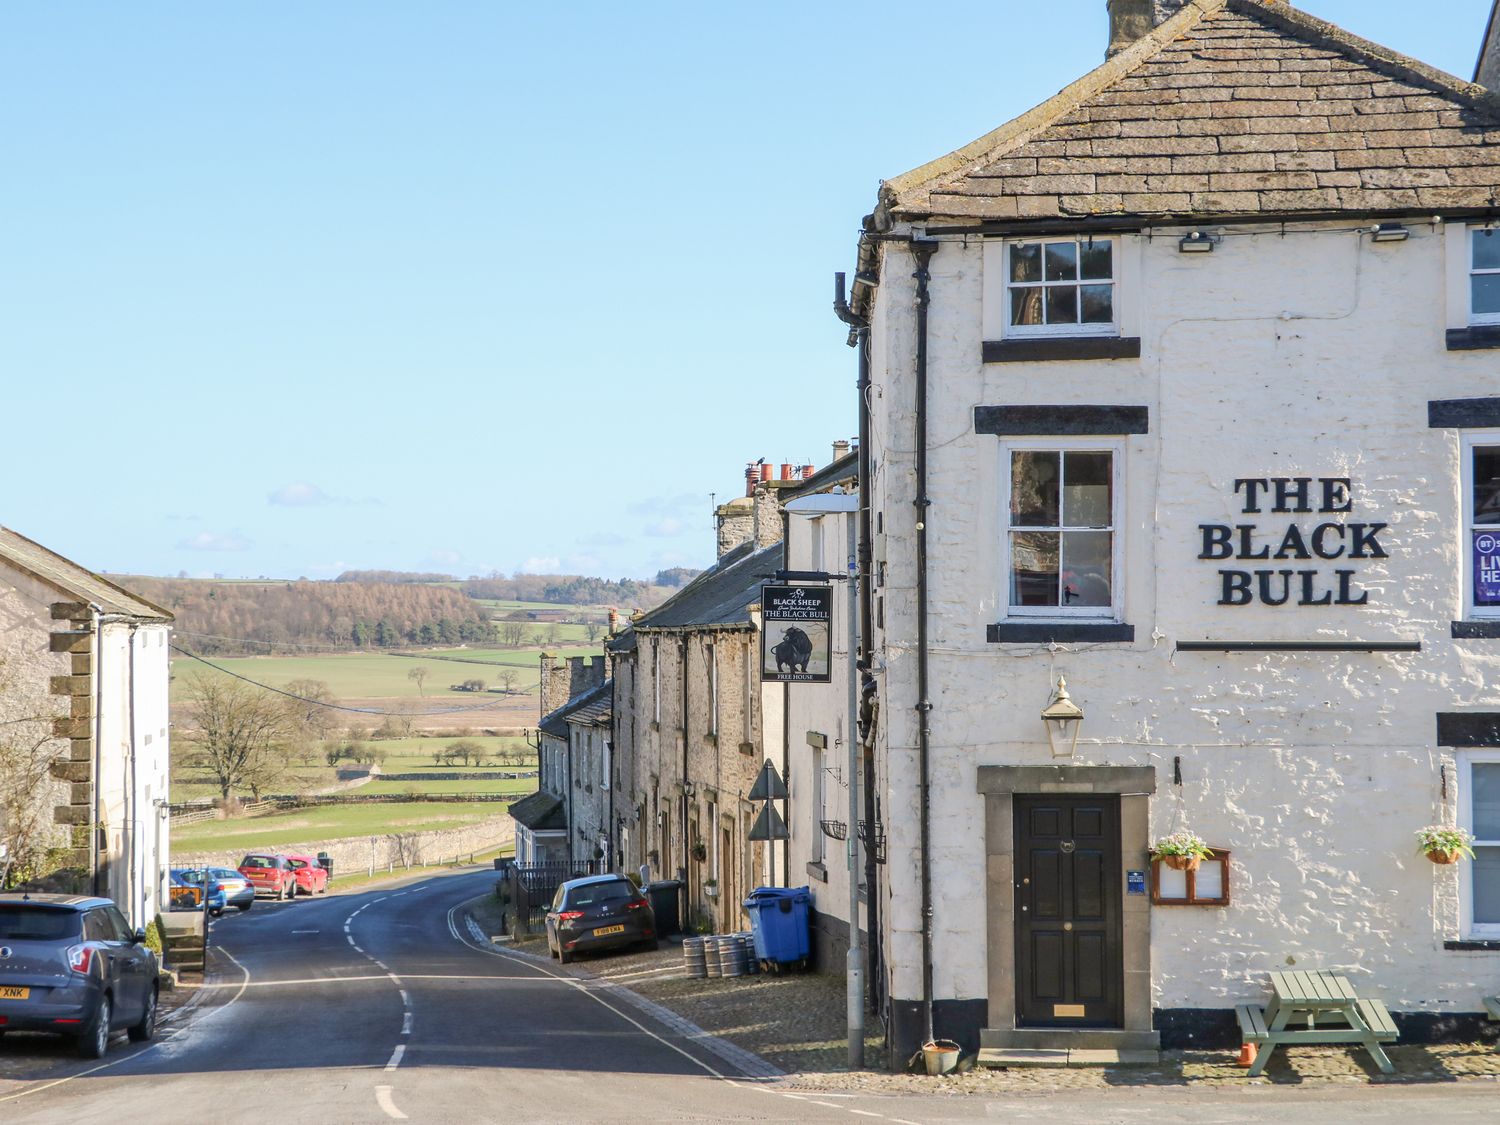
214,617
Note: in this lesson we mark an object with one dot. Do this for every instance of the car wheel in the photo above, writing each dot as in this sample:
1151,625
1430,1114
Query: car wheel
563,956
217,912
289,892
94,1040
143,1031
244,906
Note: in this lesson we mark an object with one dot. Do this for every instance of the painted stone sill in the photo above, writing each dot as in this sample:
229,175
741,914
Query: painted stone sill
1040,348
747,748
1475,945
1477,338
711,740
1058,632
1465,630
818,871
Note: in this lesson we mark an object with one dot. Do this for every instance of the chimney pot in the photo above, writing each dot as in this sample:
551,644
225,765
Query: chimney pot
765,470
786,471
840,449
808,471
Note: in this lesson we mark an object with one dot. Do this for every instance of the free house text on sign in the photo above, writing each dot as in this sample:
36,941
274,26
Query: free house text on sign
1316,540
795,645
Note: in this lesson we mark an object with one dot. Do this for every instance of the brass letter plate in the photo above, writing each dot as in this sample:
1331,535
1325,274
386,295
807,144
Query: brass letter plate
1067,1011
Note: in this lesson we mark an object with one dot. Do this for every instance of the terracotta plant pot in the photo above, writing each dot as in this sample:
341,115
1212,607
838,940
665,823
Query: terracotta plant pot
1443,857
1182,862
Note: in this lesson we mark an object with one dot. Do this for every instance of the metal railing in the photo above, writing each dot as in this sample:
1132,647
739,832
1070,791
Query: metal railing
532,886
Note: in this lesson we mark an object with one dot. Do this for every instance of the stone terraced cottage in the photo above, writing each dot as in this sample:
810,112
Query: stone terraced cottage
1184,388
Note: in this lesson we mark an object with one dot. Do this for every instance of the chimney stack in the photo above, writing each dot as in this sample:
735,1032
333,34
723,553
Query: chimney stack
751,472
1129,20
840,449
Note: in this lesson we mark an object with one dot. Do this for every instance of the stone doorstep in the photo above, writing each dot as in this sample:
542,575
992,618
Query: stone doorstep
1002,1057
1069,1039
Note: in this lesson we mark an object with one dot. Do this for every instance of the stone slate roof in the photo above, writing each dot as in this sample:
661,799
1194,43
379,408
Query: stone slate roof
1237,108
721,596
73,581
597,710
555,722
540,812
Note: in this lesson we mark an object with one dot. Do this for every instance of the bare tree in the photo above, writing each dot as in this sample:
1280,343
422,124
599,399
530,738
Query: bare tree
310,718
508,681
553,633
591,630
417,675
27,749
539,639
240,732
467,751
512,633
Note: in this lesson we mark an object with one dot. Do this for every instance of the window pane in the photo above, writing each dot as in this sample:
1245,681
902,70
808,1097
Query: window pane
1486,249
1487,293
1486,873
1062,304
1098,304
1085,568
1097,261
1086,489
1033,568
1026,261
1487,485
1033,489
1026,306
1486,798
1062,261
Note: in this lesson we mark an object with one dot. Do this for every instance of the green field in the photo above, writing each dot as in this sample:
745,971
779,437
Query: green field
370,675
519,787
403,755
328,823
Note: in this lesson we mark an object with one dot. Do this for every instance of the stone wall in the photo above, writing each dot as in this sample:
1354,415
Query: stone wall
355,855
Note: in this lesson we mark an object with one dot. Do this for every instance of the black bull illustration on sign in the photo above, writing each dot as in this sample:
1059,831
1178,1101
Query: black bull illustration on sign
794,651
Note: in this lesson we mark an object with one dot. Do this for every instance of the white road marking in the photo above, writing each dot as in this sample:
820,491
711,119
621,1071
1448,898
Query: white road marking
405,1023
864,1112
405,999
383,1100
396,1056
382,966
305,931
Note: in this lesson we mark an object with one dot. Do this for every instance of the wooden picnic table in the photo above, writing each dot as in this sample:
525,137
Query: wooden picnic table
1326,1006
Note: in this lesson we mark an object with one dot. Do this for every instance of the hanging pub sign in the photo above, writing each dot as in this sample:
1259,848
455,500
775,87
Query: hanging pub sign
795,642
1486,568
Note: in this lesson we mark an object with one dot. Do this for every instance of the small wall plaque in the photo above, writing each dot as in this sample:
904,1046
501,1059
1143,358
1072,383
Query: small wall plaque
1135,882
1067,1011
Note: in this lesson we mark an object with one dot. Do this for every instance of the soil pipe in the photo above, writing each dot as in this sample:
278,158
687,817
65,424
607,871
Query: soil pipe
687,844
923,250
786,729
96,821
568,786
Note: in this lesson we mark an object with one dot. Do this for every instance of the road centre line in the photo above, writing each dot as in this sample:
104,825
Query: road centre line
406,1023
396,1056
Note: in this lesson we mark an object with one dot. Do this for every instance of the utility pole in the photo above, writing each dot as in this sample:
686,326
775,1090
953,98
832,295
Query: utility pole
854,959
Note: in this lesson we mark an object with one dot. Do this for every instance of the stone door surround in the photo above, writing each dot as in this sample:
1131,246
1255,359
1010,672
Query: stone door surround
1134,785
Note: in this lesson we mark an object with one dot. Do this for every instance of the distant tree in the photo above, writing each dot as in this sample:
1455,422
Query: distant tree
508,681
512,633
26,753
417,675
553,633
241,732
591,630
467,751
469,685
310,718
539,639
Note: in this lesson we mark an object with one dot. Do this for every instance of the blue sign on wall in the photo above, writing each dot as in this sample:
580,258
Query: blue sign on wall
1135,882
1486,568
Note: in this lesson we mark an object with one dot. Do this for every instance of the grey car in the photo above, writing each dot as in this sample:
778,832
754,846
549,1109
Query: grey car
70,965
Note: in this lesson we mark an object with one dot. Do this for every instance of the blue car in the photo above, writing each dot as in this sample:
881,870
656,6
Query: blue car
187,891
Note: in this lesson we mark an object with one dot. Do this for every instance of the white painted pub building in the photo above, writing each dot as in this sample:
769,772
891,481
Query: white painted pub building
1184,387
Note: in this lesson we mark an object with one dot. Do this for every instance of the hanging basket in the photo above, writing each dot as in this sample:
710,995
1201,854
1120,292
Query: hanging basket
1181,862
1444,858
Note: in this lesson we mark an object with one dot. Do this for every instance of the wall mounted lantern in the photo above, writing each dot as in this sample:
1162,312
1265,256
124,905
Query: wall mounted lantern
1389,232
1197,242
1062,718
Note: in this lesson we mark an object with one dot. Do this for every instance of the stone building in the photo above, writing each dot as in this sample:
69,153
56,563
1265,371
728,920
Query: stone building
1183,389
84,744
562,821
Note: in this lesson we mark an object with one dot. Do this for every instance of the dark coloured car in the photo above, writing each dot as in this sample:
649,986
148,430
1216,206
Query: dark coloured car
71,966
598,912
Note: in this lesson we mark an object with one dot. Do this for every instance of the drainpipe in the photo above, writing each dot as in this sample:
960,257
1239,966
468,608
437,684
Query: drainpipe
95,818
923,250
860,339
568,789
132,811
786,725
687,845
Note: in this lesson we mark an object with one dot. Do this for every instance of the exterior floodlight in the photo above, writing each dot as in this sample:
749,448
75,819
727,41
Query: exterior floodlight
1062,718
1390,232
1197,242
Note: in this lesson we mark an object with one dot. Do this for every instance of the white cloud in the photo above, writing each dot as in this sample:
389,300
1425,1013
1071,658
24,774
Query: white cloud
299,494
215,541
541,564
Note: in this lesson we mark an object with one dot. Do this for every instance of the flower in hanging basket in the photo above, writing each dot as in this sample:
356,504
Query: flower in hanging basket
700,851
1182,851
1444,845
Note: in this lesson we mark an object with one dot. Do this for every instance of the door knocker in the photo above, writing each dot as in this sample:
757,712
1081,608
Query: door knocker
1067,847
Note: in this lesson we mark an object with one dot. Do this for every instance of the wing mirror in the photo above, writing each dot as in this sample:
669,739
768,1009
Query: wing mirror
140,936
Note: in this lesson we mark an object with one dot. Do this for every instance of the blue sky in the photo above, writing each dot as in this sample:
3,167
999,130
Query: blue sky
289,288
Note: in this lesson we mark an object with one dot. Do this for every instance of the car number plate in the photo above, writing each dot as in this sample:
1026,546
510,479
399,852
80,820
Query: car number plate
12,992
610,930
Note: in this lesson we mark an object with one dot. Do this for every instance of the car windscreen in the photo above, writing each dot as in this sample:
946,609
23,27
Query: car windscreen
600,894
297,864
258,861
225,873
38,923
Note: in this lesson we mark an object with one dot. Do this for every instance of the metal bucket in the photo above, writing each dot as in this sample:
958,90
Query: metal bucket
693,957
752,966
732,955
711,958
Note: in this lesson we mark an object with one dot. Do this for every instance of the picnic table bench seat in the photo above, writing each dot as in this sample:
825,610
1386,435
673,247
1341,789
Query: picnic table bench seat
1252,1019
1378,1017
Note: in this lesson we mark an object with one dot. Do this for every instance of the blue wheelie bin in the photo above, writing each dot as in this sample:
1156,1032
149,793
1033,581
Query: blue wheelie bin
779,924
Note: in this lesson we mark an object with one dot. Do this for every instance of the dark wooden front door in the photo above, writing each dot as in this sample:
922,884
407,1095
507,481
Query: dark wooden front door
1069,951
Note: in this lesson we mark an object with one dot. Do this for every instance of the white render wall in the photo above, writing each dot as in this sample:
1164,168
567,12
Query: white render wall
1309,355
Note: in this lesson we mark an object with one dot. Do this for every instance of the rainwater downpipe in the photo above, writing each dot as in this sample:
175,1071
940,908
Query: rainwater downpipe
923,250
132,810
96,818
687,844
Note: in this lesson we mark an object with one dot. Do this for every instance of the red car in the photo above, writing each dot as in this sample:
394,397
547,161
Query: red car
270,875
311,879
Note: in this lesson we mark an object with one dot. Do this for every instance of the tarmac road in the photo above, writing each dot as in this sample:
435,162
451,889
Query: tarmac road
379,1006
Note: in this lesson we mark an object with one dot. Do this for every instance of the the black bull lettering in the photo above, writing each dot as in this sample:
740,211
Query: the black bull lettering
794,651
